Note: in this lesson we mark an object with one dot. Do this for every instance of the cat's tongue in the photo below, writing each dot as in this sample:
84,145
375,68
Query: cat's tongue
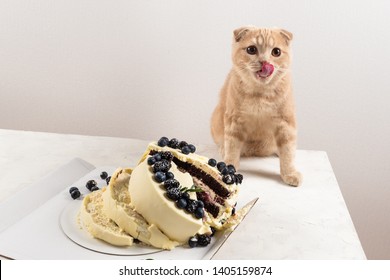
266,70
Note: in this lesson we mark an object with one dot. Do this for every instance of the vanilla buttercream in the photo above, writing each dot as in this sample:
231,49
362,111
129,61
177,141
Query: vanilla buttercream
148,198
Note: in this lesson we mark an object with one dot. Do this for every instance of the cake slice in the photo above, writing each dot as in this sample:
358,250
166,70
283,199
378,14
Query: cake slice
98,224
117,206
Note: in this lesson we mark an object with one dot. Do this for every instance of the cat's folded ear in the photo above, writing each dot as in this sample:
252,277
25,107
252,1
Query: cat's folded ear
287,35
239,33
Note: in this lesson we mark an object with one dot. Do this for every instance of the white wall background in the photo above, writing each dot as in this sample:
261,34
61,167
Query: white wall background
148,68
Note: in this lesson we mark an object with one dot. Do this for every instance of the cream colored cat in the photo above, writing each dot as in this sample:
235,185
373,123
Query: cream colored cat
255,115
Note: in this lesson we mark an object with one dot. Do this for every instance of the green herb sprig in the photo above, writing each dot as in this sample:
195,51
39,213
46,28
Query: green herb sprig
192,189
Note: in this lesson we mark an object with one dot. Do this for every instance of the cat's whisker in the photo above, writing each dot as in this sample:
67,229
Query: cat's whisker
243,69
284,70
254,67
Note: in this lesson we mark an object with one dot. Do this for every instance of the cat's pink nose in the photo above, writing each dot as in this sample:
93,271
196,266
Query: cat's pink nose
266,69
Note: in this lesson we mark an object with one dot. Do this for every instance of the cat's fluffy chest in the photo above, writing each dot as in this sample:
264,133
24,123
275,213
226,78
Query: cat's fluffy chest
258,107
258,115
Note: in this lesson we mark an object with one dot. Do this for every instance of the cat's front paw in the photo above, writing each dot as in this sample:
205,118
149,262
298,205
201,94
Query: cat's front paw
293,178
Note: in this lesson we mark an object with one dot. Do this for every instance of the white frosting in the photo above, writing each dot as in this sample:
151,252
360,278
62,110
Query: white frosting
117,207
149,199
99,224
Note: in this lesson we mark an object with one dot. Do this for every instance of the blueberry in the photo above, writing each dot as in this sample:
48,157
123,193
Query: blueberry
167,155
212,162
221,165
192,148
90,184
75,194
185,150
231,169
157,156
182,144
228,179
193,241
163,142
199,212
170,175
103,175
213,231
73,189
94,188
160,176
171,183
151,160
224,171
181,203
108,180
200,204
173,143
203,240
185,195
191,205
173,193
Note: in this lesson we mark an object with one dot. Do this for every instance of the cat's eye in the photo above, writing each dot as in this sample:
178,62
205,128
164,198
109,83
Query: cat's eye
276,52
251,50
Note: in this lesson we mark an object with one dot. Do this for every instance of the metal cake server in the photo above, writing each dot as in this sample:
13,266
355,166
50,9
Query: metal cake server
226,233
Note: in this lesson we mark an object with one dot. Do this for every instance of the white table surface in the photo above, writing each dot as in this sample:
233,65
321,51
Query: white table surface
308,222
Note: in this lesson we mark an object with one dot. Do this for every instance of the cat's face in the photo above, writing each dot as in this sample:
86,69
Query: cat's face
261,56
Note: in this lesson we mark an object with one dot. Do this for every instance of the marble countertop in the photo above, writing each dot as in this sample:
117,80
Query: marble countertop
308,222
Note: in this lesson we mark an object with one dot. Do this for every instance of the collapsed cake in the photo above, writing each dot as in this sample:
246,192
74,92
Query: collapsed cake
172,197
